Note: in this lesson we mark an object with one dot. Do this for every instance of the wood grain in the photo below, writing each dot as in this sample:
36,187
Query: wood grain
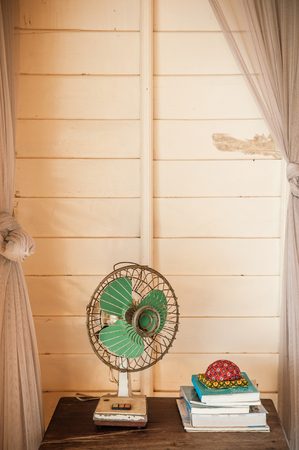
79,53
217,217
217,178
78,15
77,178
70,97
78,139
201,296
73,217
203,97
217,256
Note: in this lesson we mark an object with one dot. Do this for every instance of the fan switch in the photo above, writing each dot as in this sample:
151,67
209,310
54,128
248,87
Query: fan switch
121,406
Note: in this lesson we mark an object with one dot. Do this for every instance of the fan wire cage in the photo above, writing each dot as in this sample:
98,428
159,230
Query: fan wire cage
144,280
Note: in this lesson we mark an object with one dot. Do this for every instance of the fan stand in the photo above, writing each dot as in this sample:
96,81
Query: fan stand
123,409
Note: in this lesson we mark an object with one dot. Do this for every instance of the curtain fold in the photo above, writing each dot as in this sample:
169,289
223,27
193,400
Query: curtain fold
264,39
21,408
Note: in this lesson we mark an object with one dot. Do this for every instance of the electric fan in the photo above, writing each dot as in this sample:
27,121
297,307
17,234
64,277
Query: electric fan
132,320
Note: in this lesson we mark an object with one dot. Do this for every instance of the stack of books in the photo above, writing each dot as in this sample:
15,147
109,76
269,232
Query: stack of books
234,409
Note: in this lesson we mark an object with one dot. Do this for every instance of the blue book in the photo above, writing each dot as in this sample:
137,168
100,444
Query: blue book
227,395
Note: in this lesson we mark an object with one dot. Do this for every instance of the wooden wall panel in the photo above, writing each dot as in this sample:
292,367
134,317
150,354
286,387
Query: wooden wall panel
217,256
173,55
80,15
78,138
227,335
203,97
214,335
193,139
80,256
79,373
79,53
217,178
233,296
192,15
73,217
261,367
217,224
77,178
201,296
79,97
62,295
217,217
173,15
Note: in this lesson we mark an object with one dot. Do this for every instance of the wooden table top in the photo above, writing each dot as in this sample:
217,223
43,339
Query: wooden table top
72,427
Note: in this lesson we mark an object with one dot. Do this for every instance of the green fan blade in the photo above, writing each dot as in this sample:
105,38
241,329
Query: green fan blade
121,339
117,297
157,300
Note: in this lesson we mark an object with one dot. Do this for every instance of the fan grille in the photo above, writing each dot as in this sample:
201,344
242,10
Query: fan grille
144,280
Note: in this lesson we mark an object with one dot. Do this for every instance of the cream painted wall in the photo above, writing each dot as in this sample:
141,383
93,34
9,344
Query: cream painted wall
217,215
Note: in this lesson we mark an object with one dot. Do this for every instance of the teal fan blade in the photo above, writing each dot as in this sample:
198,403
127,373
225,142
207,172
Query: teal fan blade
122,339
157,300
117,297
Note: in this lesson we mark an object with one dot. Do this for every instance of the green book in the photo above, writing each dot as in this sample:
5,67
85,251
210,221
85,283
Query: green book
227,395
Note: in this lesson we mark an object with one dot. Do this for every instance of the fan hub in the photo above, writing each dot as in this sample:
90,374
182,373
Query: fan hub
146,321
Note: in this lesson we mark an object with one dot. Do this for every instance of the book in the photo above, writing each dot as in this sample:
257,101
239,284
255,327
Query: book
255,418
235,394
195,406
186,421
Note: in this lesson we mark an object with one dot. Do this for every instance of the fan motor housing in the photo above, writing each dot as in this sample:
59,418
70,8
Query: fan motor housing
146,321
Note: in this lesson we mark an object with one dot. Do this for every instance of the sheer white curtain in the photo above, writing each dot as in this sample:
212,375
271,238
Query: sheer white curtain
263,35
21,411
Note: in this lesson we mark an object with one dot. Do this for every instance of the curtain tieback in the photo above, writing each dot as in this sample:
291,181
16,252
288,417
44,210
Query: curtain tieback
15,243
293,177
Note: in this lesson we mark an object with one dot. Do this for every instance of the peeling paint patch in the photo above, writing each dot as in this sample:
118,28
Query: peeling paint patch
259,145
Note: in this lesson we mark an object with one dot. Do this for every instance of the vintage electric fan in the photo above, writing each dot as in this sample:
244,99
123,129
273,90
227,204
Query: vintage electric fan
132,320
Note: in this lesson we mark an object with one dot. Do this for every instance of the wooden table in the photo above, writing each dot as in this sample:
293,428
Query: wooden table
72,427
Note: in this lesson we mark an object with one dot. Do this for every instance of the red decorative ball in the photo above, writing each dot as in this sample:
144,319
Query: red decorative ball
223,370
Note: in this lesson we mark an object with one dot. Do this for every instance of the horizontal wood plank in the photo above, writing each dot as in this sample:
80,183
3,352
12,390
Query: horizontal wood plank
217,178
217,256
79,373
78,138
173,15
203,97
227,335
206,335
192,53
261,368
80,256
201,296
78,97
217,217
77,178
233,296
193,139
61,295
79,53
75,14
73,217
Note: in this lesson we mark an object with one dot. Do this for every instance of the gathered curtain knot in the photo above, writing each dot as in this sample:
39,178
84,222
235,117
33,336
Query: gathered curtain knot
293,178
15,243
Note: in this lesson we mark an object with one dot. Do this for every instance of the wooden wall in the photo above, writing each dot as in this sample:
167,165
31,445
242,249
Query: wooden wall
217,215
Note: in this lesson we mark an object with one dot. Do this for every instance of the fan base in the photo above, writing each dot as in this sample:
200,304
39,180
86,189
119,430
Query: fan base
113,410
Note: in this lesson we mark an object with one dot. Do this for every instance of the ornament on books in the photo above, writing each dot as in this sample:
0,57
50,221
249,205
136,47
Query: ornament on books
222,374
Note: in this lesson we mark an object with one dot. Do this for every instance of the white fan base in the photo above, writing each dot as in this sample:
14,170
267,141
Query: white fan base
123,409
136,416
